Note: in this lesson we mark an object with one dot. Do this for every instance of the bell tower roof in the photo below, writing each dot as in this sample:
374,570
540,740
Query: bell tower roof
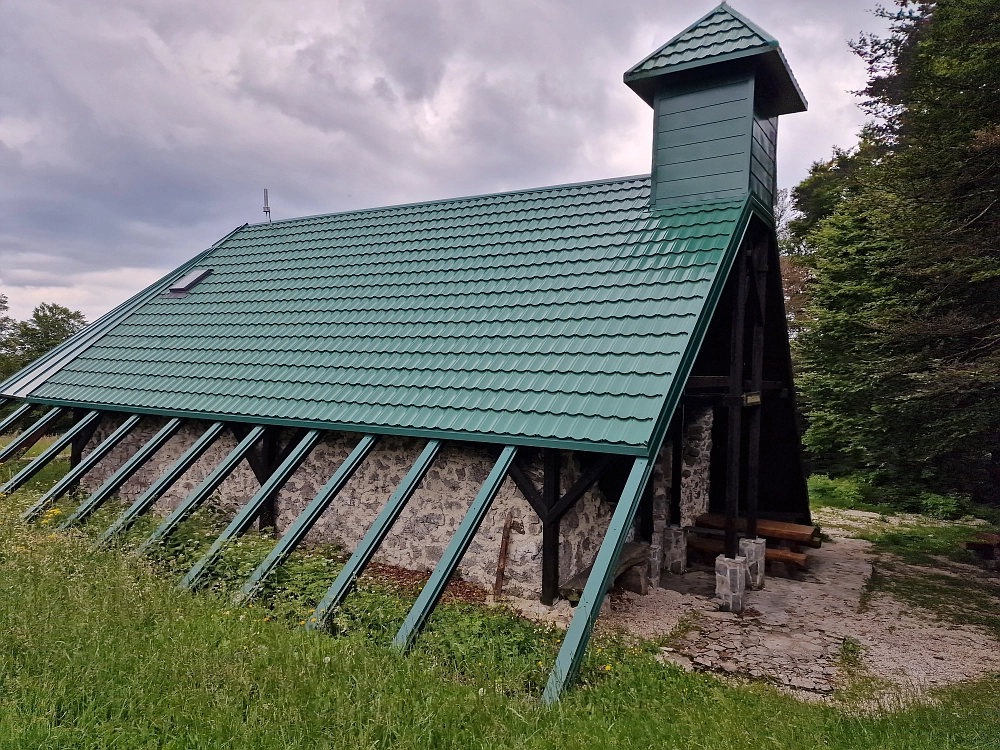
721,42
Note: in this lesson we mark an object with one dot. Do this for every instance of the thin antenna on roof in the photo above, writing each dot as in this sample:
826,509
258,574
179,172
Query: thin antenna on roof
267,208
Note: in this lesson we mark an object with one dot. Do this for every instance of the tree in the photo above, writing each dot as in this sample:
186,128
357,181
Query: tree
901,354
22,342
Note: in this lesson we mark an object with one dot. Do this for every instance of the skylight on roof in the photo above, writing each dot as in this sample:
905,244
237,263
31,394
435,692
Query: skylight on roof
189,281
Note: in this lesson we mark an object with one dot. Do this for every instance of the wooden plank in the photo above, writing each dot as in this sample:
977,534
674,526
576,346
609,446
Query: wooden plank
77,472
722,381
550,526
791,532
30,435
508,522
295,533
123,474
443,571
578,490
202,492
574,644
716,546
164,482
527,488
248,513
376,534
49,454
633,553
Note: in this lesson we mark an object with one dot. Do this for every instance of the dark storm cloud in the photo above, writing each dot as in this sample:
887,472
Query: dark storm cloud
132,135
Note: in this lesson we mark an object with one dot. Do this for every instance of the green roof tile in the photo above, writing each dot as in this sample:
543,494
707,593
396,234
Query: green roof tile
556,316
722,33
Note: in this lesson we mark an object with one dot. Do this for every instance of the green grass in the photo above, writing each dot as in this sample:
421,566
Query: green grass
100,650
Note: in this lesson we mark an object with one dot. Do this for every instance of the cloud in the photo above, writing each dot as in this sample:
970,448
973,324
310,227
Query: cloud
133,135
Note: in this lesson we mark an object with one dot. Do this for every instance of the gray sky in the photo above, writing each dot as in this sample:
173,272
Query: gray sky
135,134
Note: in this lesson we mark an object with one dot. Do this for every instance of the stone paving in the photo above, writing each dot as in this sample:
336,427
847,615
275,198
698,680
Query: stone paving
792,632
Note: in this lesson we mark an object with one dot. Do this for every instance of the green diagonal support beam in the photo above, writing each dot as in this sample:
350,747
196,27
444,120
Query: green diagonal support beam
202,492
30,435
48,454
14,416
155,491
249,511
377,533
443,571
123,474
308,517
73,475
601,577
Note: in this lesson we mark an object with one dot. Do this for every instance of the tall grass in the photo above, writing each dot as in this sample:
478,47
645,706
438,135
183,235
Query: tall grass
100,650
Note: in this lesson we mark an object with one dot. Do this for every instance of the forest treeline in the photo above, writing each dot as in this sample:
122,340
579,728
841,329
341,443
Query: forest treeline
23,341
898,329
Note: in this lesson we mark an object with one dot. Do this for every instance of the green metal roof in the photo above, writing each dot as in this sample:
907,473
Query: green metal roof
722,33
565,316
722,38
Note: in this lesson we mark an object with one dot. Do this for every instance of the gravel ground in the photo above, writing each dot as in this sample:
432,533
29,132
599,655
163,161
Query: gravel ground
793,631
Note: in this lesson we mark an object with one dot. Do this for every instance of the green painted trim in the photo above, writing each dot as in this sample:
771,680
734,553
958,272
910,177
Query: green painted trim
24,440
308,517
249,512
429,434
14,416
377,533
166,480
50,453
443,571
122,475
73,475
577,637
23,382
201,493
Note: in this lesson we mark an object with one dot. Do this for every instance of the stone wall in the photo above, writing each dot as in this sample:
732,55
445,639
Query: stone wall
695,471
422,532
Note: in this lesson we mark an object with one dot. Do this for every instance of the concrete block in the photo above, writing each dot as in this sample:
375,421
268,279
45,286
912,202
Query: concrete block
730,582
674,550
753,551
635,579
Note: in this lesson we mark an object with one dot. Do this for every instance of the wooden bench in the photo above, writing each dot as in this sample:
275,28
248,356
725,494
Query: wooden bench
808,536
717,546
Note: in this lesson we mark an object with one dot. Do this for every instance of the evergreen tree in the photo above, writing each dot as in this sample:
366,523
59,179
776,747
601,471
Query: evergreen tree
901,355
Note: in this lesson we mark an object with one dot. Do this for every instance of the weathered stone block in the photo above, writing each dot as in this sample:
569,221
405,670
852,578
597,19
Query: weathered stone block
674,550
730,582
753,551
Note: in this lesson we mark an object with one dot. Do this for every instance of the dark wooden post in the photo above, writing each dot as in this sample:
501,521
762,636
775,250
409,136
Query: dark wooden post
760,259
735,403
80,441
268,518
550,526
676,463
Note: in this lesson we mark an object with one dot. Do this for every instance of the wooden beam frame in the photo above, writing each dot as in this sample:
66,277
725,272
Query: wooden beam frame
443,571
551,460
734,443
248,513
77,472
759,270
30,435
123,474
377,533
202,492
295,533
578,635
164,482
25,475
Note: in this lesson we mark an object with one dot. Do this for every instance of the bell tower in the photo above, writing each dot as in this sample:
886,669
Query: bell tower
716,90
